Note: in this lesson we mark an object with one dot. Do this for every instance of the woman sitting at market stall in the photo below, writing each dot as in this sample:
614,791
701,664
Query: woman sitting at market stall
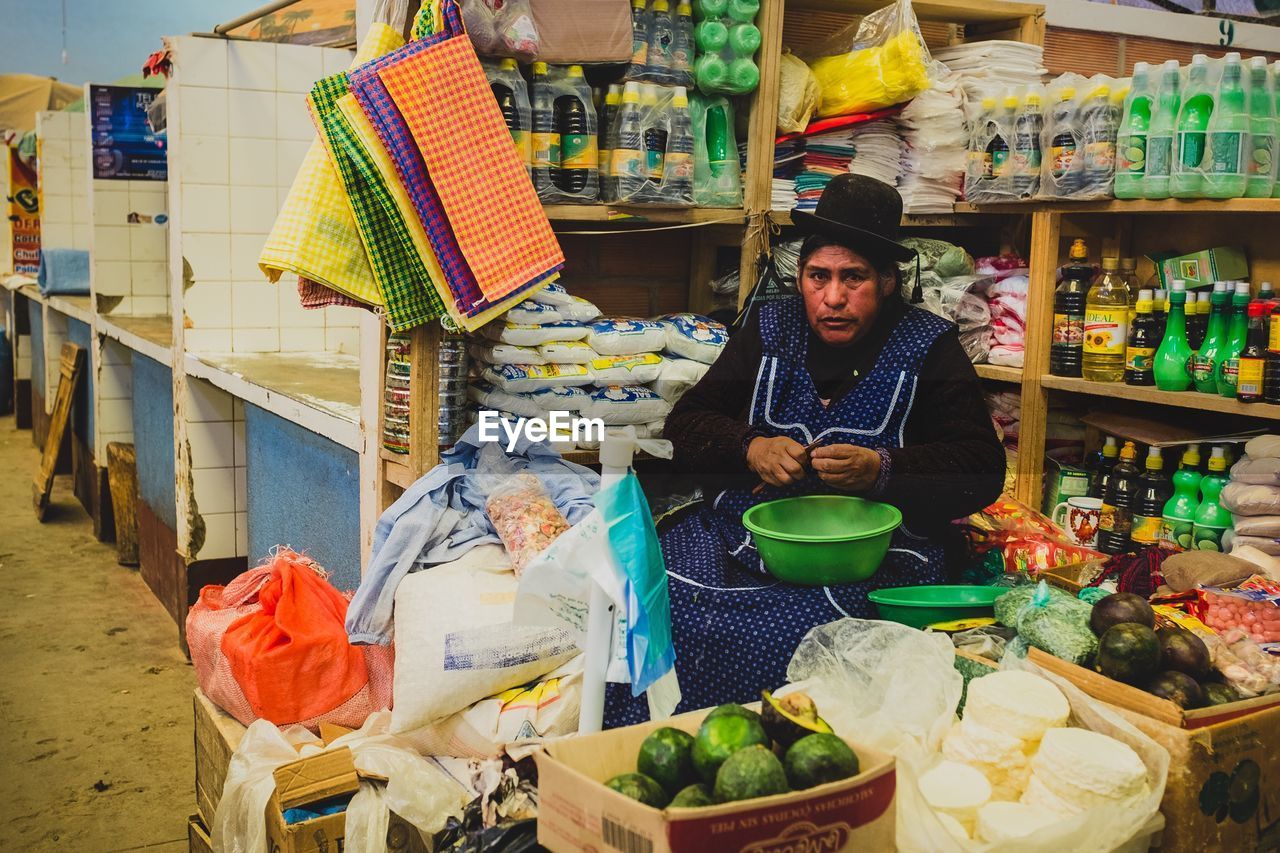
888,401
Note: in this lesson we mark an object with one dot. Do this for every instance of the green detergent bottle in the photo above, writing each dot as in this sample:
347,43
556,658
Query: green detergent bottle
1164,119
1191,142
1262,132
1275,89
1131,148
1204,364
1178,519
1212,519
1237,334
1226,174
1173,358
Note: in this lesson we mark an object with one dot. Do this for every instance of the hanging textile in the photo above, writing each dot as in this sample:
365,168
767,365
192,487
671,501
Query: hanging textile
313,294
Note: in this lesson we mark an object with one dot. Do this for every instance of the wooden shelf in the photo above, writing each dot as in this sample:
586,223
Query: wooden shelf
618,214
999,373
951,11
150,335
1182,400
963,215
397,472
1123,206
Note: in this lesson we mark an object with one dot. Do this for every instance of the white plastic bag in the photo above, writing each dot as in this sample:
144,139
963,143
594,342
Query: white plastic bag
527,378
799,95
626,337
531,313
695,337
619,405
501,28
506,354
567,352
525,335
678,376
626,369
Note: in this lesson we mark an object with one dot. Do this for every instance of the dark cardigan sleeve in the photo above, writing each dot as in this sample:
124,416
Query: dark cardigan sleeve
952,463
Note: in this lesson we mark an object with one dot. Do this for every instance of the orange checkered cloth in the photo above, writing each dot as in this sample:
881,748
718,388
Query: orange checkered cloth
455,121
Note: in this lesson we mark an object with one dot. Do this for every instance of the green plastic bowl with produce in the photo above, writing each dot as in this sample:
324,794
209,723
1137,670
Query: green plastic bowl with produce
919,606
818,540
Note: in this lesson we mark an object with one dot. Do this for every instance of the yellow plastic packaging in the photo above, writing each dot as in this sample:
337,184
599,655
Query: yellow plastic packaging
883,64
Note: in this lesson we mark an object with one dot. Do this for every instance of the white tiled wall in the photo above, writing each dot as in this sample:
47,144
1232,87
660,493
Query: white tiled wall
64,179
114,392
130,259
238,130
215,435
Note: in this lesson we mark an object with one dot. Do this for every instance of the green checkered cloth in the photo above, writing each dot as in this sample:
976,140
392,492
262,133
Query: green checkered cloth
399,272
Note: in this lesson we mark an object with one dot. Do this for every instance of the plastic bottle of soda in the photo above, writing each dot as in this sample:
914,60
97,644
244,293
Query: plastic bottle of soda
1253,358
1066,351
1116,524
546,141
1237,331
1204,362
1131,144
1154,490
1179,514
1212,519
1228,137
1160,138
1191,157
1262,132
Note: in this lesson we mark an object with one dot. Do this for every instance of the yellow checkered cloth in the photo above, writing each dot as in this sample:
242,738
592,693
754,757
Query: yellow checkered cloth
315,233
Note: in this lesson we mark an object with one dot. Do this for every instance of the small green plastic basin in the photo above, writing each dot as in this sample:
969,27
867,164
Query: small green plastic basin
919,606
817,540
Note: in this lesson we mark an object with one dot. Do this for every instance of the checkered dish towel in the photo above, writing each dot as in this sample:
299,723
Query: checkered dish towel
315,234
446,103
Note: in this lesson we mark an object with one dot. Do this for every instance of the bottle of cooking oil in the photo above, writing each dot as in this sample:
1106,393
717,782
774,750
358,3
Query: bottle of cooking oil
1106,325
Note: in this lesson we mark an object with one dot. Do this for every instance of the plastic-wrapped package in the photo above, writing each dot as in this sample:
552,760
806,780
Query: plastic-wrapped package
1248,499
619,405
727,40
678,375
530,313
1006,154
1264,471
552,294
506,354
578,310
567,352
532,336
525,378
1007,299
694,337
651,147
501,27
626,337
512,94
566,156
881,63
522,513
717,171
626,369
1079,137
799,94
583,31
492,398
1211,146
662,42
1051,620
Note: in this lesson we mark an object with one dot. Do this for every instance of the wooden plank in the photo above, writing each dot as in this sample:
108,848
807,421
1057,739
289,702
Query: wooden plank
951,11
1124,206
763,120
70,365
424,398
122,475
398,473
217,734
999,373
641,214
1181,400
1045,233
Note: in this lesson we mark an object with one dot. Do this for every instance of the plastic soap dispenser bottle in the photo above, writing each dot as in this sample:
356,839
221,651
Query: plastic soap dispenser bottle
1131,145
1226,175
1174,355
1191,158
1262,132
1228,372
1178,522
1164,118
1212,519
1204,362
1106,325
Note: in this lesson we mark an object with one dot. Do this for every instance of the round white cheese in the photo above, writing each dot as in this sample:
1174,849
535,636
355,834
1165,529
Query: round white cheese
953,826
999,822
956,789
1038,795
1075,763
1016,703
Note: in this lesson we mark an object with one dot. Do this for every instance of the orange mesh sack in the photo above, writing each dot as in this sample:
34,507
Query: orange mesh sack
271,645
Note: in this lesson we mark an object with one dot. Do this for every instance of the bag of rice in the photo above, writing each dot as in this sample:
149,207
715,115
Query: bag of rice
567,352
526,378
619,405
506,354
626,337
530,313
626,369
570,399
678,375
532,336
552,294
495,399
579,310
694,336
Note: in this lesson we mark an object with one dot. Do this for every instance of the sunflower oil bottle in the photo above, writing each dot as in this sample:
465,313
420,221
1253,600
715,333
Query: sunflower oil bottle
1106,325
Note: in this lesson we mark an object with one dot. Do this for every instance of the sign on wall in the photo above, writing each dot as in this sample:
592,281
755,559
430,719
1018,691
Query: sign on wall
124,145
24,214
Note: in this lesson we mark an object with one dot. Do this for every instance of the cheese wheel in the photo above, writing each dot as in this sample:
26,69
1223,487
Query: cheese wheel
1016,703
956,789
953,826
1000,757
1038,795
999,822
1086,768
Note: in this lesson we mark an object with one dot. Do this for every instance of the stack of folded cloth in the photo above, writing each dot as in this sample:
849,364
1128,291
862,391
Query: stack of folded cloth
936,143
985,66
788,159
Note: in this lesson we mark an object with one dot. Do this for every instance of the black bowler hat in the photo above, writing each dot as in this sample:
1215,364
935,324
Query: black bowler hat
860,212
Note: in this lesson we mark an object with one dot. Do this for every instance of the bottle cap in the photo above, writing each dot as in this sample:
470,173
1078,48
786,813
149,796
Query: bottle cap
1257,309
1264,287
1191,456
575,71
508,64
1010,102
1066,93
680,98
661,6
1219,287
1199,59
614,95
1170,65
631,93
1147,296
988,103
1128,453
1128,264
1218,459
1178,286
539,68
1033,99
1161,294
638,4
649,94
1232,57
1155,461
1078,250
1242,288
1109,447
1141,68
1110,264
1258,62
684,10
1101,92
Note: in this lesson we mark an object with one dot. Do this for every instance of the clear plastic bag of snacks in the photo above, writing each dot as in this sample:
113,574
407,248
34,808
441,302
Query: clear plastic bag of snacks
519,507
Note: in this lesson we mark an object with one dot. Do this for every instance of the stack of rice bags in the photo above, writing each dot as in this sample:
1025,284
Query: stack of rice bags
1253,498
554,353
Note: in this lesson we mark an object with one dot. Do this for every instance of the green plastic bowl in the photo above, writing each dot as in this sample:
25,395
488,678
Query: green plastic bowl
919,606
818,540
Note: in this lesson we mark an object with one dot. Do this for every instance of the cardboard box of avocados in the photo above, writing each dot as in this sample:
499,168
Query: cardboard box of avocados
1223,791
577,812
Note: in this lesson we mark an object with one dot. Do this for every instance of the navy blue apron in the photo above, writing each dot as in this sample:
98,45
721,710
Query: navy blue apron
735,626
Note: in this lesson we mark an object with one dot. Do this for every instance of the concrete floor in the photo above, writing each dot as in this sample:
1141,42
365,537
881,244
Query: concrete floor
96,699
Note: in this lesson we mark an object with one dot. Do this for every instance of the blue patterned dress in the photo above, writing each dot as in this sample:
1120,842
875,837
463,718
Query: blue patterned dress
735,626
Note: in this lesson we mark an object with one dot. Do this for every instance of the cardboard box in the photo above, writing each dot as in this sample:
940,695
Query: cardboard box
1211,750
576,812
1062,481
1198,269
217,734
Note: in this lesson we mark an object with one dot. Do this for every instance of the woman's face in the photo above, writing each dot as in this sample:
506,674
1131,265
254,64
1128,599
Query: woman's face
842,294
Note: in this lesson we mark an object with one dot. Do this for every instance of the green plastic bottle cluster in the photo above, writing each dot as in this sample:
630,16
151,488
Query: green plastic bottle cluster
726,39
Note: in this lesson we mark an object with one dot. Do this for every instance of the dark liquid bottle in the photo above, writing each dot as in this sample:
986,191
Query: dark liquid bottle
571,122
1116,525
1154,490
1140,351
1271,374
1108,456
1198,323
1253,358
1066,352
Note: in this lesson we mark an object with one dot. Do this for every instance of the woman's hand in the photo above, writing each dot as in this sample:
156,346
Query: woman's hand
847,466
779,461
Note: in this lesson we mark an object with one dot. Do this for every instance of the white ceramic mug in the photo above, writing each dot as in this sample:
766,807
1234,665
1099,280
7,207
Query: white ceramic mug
1080,517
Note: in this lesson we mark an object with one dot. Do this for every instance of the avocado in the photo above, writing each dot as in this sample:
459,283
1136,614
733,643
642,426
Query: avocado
1119,608
817,759
1216,693
1183,651
790,718
1129,652
734,709
665,757
1177,687
753,771
693,797
720,737
640,787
